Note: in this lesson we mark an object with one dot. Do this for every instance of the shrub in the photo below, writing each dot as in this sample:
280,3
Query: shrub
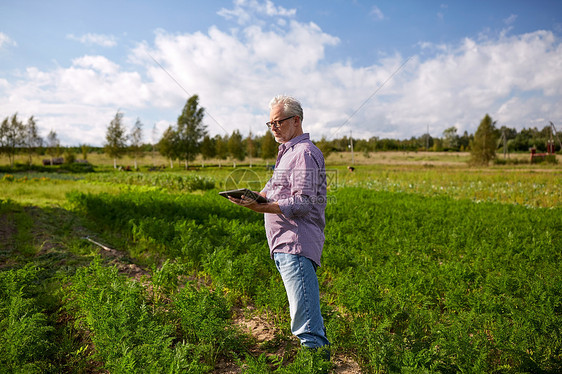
548,159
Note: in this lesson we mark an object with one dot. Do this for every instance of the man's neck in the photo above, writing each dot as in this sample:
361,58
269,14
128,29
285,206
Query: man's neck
297,134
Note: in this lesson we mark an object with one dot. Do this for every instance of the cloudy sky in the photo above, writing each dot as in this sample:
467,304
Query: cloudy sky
370,68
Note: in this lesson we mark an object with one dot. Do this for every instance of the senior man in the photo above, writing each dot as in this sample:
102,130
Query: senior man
294,218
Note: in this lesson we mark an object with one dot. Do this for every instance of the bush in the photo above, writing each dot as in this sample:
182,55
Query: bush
548,159
169,181
510,161
69,157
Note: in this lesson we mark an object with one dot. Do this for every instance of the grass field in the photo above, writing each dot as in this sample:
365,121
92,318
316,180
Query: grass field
429,266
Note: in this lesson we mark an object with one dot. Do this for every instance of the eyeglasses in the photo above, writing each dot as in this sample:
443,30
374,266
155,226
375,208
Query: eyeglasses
277,124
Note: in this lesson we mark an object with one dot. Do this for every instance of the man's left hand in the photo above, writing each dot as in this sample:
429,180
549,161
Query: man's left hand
252,204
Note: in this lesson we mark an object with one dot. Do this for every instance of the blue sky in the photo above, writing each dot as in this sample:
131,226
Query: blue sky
73,64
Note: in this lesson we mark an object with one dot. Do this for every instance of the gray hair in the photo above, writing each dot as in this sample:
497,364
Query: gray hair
291,106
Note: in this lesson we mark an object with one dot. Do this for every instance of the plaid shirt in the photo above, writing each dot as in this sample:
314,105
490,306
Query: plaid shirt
298,185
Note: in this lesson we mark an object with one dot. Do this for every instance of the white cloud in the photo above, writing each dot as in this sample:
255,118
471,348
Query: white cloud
96,63
459,88
97,39
230,71
5,40
376,13
516,79
79,101
246,11
510,20
236,74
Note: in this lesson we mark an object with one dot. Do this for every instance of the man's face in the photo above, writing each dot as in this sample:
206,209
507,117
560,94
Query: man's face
287,129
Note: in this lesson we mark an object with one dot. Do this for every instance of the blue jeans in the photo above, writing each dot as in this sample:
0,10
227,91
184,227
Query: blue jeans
301,284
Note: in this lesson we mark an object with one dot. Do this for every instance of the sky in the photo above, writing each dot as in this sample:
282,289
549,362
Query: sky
390,69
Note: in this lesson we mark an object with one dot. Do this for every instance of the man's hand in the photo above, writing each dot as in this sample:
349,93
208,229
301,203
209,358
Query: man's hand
252,204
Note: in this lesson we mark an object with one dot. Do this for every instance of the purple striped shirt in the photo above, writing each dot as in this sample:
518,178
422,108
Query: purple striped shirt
298,185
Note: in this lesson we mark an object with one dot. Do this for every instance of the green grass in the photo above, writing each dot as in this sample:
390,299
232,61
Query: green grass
426,269
130,334
522,187
45,190
527,185
26,333
436,283
445,285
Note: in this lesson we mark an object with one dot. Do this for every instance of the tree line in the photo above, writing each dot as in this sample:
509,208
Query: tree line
516,141
188,138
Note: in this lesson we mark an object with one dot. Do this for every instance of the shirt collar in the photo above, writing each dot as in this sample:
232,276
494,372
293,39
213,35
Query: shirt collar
295,140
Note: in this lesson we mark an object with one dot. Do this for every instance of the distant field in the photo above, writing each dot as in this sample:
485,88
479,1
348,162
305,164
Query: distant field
458,159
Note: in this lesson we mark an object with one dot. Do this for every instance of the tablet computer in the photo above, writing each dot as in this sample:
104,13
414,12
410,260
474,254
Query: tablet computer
237,194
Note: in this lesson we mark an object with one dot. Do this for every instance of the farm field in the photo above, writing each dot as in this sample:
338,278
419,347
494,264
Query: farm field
429,266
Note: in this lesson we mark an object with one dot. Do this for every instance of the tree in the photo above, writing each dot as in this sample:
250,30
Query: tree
167,145
523,140
249,146
115,138
69,156
506,138
136,140
542,138
268,146
437,145
510,133
208,147
256,145
465,140
362,145
221,147
12,136
325,146
153,142
451,139
236,146
373,140
53,145
85,148
425,142
3,131
190,130
32,139
483,148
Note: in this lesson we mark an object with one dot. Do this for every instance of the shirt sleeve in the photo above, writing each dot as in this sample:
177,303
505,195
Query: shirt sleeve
265,189
295,206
